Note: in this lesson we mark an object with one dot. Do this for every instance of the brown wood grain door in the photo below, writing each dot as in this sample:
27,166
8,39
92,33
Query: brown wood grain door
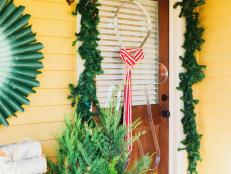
161,123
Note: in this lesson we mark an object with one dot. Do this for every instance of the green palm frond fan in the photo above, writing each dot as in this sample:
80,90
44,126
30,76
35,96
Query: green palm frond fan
19,59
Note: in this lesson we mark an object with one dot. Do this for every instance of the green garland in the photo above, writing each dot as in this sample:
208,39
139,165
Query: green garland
88,51
193,74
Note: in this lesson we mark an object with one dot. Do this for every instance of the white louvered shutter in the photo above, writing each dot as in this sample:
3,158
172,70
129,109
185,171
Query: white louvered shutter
133,28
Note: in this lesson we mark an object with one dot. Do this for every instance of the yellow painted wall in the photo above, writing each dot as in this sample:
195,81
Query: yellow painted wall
55,27
215,91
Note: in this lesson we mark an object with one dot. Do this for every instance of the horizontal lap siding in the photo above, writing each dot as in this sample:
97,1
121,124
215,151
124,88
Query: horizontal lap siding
215,91
43,118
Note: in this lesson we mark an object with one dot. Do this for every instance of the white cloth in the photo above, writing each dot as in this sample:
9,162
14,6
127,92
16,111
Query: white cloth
24,150
22,158
3,160
28,166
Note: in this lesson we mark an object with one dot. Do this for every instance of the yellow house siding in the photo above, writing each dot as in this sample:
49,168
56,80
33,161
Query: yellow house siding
215,91
43,118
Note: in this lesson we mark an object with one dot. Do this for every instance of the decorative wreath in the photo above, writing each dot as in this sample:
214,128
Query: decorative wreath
19,59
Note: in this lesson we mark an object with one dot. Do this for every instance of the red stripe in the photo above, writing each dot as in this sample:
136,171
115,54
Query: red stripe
130,61
129,58
126,60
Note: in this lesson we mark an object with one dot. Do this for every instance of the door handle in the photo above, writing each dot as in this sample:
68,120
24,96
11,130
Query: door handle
164,98
165,113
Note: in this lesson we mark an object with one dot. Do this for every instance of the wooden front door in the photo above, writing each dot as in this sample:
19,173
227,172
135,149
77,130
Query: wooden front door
160,111
132,27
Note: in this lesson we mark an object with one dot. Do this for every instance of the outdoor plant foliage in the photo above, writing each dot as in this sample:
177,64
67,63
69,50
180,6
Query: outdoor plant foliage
88,38
193,74
96,150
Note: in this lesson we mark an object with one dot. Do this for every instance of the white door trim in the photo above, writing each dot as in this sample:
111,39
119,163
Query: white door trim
177,160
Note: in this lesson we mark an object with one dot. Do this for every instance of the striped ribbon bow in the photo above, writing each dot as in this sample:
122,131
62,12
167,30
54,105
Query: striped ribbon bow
130,57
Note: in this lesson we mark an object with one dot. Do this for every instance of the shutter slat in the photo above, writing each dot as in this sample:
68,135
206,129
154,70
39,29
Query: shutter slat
135,93
136,99
121,77
130,16
112,6
112,37
134,88
116,48
138,72
134,82
122,66
124,27
132,31
112,56
146,3
126,10
129,40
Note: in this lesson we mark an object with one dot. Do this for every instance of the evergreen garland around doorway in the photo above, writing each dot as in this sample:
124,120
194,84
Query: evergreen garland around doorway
88,38
194,73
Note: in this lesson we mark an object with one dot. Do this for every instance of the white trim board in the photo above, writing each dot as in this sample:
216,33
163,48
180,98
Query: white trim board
177,160
79,62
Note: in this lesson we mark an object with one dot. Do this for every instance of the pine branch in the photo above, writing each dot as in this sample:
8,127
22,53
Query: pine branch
95,150
89,52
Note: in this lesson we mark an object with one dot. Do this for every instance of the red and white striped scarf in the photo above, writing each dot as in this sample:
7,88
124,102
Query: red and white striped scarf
130,57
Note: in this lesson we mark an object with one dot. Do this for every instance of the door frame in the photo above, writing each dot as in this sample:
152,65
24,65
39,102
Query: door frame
177,160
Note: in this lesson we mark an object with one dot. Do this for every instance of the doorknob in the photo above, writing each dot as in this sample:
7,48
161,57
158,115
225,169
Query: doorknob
165,114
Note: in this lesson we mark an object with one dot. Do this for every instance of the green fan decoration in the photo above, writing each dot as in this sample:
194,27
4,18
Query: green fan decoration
19,59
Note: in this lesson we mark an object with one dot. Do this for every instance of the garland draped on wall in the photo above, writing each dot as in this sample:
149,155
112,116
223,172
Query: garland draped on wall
193,74
88,51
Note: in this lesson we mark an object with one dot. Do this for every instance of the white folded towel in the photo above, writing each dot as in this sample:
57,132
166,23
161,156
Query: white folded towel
28,166
24,150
